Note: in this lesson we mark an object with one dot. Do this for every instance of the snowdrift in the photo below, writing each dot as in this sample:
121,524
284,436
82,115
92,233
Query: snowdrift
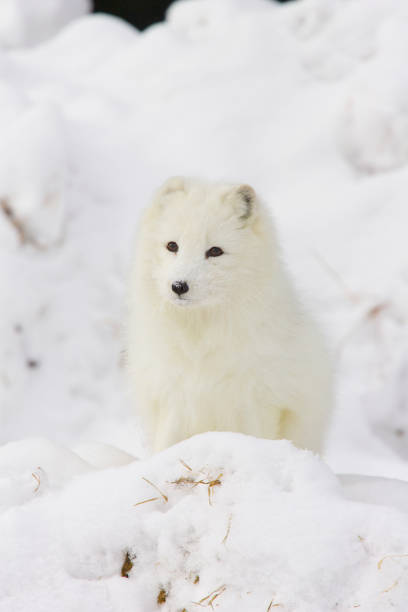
220,521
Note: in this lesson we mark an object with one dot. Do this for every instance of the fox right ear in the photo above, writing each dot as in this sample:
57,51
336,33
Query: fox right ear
173,184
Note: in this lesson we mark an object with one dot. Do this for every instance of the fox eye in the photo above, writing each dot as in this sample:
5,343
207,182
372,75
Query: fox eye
214,252
172,246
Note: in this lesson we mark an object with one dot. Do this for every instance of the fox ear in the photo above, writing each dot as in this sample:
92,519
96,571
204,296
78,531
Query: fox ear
243,199
173,184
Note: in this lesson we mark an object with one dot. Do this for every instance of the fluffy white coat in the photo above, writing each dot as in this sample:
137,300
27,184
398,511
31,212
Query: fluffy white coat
235,352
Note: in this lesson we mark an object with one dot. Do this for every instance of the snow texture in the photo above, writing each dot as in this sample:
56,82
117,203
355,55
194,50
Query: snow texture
306,101
27,22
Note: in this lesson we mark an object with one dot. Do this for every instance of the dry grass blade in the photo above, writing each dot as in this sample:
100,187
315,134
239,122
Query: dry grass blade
166,499
388,589
396,556
210,603
183,481
211,484
273,605
228,529
189,481
145,501
18,225
380,564
37,479
376,310
185,465
208,600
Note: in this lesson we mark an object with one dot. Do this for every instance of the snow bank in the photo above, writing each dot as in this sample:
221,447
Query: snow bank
33,175
232,521
27,22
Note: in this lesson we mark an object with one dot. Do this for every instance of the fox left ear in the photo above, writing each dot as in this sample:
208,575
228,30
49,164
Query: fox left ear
242,198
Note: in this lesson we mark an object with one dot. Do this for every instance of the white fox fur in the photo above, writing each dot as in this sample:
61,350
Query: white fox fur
236,352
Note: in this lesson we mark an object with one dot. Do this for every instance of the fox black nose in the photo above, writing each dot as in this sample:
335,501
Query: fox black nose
179,287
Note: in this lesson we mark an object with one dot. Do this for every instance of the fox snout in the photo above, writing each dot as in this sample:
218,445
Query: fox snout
180,287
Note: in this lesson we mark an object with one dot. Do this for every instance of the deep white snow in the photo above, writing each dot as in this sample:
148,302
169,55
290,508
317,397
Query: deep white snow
306,101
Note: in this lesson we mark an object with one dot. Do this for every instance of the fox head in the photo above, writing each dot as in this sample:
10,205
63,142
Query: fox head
203,243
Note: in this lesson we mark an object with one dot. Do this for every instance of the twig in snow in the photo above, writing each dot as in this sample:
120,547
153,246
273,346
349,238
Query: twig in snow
38,479
388,589
396,556
166,499
183,481
185,465
364,544
145,501
18,225
208,600
228,529
211,483
273,605
379,566
189,481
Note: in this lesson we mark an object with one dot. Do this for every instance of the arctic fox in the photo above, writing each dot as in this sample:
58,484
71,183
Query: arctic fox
217,338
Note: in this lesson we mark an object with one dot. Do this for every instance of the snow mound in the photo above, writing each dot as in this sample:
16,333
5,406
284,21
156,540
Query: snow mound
27,22
221,519
84,45
30,467
102,456
32,176
382,491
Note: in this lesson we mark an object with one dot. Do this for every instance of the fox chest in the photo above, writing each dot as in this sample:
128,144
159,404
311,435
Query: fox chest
211,374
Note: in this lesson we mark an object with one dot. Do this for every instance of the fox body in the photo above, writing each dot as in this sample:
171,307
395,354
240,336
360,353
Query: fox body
217,337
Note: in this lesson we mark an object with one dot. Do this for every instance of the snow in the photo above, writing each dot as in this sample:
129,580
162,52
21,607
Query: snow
306,101
221,515
27,22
